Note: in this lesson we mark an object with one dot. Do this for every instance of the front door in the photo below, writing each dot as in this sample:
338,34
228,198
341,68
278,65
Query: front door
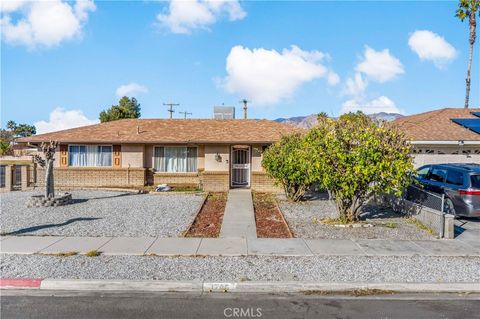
240,176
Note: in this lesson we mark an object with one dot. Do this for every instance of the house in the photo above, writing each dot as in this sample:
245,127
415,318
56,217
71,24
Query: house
449,135
212,154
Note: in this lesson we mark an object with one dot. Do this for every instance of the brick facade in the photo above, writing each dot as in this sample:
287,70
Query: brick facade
73,177
177,179
213,181
261,182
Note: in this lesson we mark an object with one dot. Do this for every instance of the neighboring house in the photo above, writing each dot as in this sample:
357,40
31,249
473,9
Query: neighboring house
447,135
212,154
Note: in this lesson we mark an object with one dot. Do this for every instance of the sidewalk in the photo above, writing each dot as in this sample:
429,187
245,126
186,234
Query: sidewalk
234,246
239,216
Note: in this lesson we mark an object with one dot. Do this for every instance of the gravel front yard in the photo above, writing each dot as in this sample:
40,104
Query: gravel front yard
304,221
314,268
101,213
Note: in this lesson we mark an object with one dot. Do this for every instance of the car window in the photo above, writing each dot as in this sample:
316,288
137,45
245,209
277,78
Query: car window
438,174
423,171
475,181
454,177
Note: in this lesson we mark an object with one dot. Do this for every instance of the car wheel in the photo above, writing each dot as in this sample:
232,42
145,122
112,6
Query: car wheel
448,207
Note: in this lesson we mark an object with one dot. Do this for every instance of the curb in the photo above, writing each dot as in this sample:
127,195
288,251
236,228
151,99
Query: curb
234,287
20,283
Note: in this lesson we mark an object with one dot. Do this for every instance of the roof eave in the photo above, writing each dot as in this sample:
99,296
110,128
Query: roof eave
452,142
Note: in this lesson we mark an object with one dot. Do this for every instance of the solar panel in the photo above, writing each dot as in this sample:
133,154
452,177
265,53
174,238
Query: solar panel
471,124
476,114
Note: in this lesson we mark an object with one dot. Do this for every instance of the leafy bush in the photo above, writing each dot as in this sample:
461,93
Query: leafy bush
287,162
355,157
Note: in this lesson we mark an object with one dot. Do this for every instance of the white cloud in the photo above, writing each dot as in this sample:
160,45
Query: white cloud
433,47
379,66
61,119
130,89
355,86
11,5
380,104
43,23
184,16
333,78
268,76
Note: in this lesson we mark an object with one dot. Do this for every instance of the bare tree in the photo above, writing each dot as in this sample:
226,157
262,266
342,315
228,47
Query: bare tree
48,150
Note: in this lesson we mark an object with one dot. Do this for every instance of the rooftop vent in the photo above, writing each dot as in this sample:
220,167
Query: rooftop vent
223,112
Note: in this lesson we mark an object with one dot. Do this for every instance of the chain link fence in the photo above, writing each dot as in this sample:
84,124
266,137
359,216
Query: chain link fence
425,198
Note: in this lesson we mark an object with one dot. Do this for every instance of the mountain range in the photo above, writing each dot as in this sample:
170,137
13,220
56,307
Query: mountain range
309,121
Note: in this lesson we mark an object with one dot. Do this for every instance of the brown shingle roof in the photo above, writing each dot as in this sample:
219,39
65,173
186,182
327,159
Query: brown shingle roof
438,126
171,131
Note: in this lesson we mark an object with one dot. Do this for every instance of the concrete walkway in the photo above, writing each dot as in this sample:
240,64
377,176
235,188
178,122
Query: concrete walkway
54,245
239,217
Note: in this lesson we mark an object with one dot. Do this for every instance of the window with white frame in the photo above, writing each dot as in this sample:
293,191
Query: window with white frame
175,159
90,155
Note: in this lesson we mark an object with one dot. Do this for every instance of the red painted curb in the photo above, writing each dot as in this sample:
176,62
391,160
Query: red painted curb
20,283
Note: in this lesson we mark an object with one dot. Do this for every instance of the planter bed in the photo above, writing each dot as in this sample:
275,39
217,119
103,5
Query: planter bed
268,217
209,219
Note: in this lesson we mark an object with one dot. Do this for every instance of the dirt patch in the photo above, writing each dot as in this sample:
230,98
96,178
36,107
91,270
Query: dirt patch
268,217
209,220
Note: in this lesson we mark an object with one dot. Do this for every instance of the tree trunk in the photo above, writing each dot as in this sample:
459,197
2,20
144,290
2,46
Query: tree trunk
473,25
49,187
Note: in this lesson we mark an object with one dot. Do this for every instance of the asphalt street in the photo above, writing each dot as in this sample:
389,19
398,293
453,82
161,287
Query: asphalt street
72,305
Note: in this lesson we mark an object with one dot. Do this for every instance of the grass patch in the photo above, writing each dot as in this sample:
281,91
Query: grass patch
353,292
326,221
417,223
185,189
66,254
391,225
93,253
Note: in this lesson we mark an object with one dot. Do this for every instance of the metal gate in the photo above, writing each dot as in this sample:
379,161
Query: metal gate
17,177
240,167
3,169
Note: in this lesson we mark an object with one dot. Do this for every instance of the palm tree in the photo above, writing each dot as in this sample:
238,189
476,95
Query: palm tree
468,8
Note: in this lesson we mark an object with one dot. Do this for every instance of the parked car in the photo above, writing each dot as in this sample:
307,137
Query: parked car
459,182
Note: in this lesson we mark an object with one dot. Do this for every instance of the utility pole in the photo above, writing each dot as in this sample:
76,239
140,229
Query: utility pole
245,102
171,108
185,114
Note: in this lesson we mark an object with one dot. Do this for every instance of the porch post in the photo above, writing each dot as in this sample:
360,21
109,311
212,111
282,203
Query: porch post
24,181
9,177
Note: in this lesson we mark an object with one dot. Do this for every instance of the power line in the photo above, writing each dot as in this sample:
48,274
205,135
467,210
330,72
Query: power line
171,108
185,113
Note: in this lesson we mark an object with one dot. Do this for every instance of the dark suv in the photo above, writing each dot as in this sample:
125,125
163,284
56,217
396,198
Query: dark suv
459,182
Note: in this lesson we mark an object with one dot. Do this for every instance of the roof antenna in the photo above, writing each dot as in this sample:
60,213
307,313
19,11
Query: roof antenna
185,113
170,109
245,102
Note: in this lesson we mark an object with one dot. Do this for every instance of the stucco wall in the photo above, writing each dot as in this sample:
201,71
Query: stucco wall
201,157
148,156
424,159
257,158
211,164
438,154
132,155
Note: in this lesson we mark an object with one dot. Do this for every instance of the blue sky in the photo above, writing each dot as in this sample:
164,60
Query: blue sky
288,58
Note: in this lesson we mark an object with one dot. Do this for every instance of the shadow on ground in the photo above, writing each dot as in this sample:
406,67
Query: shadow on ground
40,227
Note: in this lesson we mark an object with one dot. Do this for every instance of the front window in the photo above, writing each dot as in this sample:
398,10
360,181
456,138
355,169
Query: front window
90,155
175,159
475,181
438,175
423,172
